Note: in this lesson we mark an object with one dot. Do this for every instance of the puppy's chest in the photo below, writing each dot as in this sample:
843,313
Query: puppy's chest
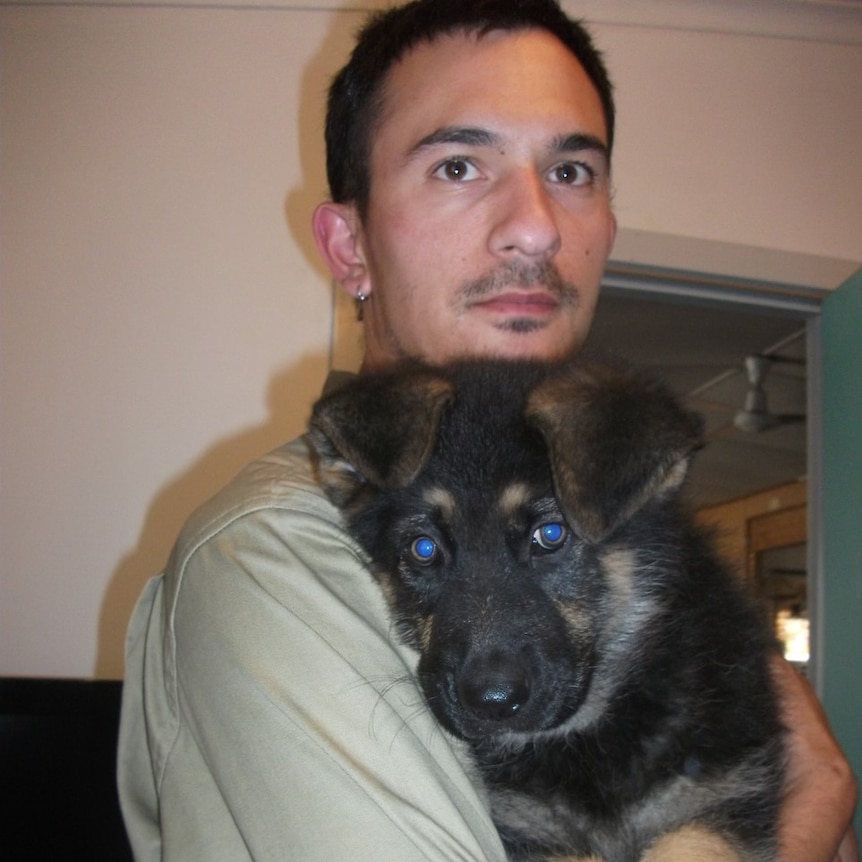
564,821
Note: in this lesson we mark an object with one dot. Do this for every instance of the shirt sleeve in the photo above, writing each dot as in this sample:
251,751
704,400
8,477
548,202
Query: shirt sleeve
298,731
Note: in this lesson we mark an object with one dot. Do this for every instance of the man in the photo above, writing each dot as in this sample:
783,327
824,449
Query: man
269,712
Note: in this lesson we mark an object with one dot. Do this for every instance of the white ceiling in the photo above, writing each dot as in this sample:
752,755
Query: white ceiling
700,350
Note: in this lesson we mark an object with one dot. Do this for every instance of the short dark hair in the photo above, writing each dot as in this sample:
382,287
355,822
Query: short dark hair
356,94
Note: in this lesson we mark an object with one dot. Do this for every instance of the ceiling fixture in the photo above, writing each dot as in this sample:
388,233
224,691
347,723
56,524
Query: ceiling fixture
755,416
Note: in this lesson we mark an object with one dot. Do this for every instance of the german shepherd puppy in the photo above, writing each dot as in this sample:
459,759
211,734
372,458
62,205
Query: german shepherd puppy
573,626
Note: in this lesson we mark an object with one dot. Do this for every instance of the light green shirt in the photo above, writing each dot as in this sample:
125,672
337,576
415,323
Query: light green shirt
269,712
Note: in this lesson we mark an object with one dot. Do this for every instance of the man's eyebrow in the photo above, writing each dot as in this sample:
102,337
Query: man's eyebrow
474,136
467,135
578,142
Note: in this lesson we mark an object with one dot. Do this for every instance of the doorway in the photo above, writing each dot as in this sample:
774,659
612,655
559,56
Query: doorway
751,481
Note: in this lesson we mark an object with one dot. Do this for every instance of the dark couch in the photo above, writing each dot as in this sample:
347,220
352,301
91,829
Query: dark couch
57,766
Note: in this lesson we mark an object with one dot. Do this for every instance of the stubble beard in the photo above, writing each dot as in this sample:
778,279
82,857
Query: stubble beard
514,274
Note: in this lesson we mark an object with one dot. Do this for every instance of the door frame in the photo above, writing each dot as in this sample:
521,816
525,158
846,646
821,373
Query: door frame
804,303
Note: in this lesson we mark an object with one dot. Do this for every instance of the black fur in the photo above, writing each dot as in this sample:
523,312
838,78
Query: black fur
612,681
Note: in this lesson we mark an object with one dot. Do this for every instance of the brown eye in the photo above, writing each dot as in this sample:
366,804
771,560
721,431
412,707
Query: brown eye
456,170
573,174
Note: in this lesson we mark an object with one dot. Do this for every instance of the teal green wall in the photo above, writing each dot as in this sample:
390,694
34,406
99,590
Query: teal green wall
842,519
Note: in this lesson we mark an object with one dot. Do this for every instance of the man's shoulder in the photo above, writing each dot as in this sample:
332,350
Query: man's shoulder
281,481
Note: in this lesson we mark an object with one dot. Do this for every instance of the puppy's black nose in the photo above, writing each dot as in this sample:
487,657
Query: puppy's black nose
493,690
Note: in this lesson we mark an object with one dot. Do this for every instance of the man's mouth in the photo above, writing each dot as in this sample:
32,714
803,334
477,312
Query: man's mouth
520,302
517,290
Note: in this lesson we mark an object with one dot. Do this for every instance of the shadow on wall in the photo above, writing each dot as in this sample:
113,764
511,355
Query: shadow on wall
299,385
316,78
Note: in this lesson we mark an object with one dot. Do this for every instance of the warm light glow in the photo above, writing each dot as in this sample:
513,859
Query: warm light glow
793,633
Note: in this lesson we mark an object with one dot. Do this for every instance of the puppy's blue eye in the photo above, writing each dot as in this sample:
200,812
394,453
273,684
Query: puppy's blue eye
550,536
424,550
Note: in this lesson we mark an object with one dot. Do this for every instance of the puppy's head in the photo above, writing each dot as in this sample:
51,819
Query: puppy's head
489,497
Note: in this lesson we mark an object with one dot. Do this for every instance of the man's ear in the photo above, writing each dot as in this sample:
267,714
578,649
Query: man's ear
337,233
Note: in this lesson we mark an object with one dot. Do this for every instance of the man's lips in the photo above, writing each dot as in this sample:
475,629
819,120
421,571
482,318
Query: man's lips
520,302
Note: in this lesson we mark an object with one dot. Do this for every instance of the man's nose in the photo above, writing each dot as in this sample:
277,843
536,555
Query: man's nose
524,221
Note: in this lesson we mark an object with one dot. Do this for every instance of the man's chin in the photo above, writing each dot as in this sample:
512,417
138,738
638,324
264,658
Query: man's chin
523,325
540,343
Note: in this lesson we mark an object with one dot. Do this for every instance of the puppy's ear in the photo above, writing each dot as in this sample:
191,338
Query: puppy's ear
379,429
615,440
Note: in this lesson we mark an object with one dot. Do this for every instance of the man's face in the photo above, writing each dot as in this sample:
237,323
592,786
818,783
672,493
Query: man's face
489,219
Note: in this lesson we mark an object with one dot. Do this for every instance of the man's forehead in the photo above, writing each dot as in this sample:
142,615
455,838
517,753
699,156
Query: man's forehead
466,84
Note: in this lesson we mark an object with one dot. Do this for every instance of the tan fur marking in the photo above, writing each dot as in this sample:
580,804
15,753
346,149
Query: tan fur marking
441,499
513,498
387,587
619,566
692,844
662,480
675,476
423,627
424,630
576,619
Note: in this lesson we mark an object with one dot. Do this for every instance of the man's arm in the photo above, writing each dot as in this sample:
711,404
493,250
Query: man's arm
821,790
300,731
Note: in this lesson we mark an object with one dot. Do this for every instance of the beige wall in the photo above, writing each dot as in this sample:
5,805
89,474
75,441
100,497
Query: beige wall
164,317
